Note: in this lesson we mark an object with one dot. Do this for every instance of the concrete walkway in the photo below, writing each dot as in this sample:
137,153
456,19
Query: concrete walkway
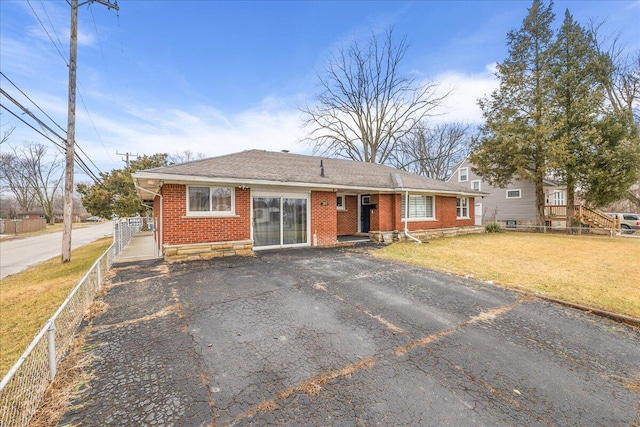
141,247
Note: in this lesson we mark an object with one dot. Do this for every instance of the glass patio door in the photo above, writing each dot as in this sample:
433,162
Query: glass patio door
279,221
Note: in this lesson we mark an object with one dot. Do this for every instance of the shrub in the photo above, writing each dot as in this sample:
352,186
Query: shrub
494,227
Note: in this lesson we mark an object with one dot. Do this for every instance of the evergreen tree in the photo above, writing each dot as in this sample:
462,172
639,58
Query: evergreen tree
576,106
116,194
515,141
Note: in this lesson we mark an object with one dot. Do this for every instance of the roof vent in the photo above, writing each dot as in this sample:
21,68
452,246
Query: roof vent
321,169
284,151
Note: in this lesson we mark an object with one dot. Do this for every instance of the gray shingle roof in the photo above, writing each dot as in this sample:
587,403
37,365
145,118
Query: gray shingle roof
280,167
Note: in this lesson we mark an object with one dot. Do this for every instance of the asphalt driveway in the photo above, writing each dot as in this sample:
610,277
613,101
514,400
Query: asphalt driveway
338,337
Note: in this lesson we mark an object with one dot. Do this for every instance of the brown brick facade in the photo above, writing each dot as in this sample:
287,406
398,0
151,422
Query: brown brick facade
348,219
324,219
327,222
180,229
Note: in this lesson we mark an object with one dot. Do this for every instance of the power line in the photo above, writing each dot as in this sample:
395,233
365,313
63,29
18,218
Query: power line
81,163
48,35
32,101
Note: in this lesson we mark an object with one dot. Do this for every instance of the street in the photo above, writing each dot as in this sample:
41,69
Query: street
18,254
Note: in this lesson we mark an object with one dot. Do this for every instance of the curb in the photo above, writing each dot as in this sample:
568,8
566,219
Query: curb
620,318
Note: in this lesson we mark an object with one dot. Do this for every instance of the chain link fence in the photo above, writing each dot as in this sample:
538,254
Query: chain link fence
22,389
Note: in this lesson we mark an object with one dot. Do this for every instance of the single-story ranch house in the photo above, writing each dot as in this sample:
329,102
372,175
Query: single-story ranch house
256,199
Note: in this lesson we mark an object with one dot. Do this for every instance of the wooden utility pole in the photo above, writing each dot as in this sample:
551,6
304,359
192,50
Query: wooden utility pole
67,213
126,156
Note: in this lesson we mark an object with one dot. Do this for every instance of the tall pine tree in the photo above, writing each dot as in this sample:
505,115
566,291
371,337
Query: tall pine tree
576,106
515,141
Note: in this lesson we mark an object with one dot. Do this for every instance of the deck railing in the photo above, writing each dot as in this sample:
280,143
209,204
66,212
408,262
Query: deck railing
584,214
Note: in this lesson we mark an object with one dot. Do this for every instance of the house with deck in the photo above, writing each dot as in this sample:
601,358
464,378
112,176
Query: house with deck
515,205
255,199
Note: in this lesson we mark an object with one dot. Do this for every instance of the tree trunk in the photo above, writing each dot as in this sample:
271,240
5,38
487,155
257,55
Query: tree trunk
540,201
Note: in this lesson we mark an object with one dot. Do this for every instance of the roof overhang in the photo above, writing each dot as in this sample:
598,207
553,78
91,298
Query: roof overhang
148,185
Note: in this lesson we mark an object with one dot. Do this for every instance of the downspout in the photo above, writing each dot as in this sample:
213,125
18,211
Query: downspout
406,218
160,231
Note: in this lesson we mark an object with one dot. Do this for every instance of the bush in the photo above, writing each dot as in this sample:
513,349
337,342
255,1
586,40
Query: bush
494,227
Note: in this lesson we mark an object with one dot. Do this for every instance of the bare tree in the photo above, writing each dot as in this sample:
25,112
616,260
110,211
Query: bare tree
6,132
33,177
14,179
366,106
434,151
623,88
185,156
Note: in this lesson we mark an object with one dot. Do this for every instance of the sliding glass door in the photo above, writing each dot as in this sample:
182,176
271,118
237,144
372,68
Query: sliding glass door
280,221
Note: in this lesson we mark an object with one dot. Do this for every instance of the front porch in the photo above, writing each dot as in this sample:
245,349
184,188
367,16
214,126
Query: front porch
587,216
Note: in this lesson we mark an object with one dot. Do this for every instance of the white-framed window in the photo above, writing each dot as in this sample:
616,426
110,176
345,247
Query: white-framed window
514,194
475,185
462,207
420,207
463,174
210,201
341,202
558,198
366,200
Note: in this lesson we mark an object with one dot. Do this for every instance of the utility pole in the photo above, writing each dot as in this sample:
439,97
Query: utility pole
127,155
67,213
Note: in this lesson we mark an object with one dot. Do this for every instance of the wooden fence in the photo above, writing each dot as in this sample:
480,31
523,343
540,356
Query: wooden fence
9,226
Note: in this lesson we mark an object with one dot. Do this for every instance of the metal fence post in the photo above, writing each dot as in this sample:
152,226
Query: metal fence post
51,338
99,274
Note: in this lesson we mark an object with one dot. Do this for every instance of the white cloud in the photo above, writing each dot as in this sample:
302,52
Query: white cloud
466,89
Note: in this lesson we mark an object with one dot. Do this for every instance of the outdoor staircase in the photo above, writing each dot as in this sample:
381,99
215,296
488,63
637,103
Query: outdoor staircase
595,218
587,216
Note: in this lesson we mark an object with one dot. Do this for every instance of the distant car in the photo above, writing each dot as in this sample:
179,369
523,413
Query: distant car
94,219
629,222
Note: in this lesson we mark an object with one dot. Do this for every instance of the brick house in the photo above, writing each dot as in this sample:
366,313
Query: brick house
256,199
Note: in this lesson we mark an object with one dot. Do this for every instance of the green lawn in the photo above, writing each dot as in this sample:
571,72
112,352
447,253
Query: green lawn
599,272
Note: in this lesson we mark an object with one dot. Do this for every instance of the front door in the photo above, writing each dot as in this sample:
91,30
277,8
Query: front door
478,213
365,213
279,221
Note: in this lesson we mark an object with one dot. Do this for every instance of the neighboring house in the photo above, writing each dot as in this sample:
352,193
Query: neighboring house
514,205
257,199
77,216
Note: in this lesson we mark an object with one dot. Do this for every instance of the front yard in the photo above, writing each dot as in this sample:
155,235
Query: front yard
599,272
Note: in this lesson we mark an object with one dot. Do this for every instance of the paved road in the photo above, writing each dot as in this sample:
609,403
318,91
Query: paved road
337,337
18,254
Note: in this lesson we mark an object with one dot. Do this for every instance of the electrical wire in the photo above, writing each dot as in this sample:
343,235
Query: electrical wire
48,35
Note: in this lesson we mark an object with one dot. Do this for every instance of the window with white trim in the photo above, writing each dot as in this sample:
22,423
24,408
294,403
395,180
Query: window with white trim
558,198
210,201
341,202
462,207
514,194
420,207
475,185
463,174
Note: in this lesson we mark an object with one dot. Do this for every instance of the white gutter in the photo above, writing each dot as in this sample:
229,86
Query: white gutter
406,218
187,179
161,228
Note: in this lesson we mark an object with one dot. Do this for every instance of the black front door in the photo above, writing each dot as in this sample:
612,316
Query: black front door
365,218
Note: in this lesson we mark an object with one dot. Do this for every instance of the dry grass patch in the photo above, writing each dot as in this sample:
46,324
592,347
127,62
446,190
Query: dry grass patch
28,299
599,272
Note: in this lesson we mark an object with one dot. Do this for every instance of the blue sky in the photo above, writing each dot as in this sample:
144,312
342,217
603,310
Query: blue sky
219,77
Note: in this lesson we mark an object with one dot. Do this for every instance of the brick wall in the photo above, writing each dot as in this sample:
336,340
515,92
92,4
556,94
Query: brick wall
446,215
383,218
348,219
324,219
180,229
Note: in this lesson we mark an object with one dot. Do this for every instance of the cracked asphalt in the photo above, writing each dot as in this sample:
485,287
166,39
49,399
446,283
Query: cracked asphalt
338,337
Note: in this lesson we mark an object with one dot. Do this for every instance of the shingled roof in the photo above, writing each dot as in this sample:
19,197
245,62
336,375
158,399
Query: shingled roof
274,168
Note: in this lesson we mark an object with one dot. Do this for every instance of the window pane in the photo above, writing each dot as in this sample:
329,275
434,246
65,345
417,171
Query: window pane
199,199
221,198
428,211
294,221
